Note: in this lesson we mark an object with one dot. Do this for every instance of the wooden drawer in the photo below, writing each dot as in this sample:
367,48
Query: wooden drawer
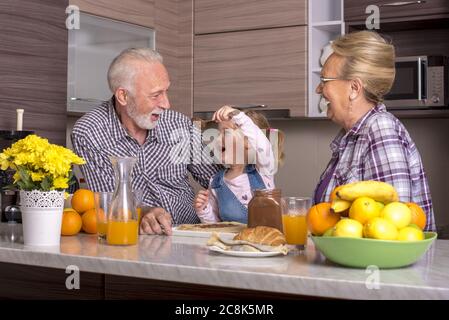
355,9
232,15
260,66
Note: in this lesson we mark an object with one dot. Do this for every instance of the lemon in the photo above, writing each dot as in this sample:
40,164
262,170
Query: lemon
329,232
381,229
348,228
364,209
412,225
410,234
397,213
380,205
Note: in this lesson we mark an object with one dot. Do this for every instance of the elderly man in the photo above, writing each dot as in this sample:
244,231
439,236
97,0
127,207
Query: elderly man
137,122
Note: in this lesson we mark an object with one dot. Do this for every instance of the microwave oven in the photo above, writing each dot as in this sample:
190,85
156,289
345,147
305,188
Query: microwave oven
421,82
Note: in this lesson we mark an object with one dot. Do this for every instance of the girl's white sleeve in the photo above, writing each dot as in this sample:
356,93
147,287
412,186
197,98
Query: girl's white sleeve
259,143
210,213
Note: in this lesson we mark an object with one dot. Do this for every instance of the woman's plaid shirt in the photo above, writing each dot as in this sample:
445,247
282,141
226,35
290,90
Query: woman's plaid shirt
378,147
163,161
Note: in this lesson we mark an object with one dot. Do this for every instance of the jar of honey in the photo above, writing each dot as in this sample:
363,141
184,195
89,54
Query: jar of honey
265,209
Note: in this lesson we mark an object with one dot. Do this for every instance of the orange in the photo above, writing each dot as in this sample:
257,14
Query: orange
71,222
320,218
418,215
83,200
90,221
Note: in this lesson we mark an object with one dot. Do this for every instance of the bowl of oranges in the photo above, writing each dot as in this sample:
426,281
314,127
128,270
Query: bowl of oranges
365,224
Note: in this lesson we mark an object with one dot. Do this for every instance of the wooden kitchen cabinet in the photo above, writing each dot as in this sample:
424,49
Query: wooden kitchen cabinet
213,16
33,60
355,9
259,66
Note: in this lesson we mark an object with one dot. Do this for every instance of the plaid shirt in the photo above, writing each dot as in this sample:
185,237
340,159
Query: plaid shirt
378,147
163,161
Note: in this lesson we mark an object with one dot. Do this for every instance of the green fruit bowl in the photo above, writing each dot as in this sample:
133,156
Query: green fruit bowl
363,252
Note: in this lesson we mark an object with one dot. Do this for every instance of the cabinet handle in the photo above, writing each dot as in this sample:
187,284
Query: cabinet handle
86,99
401,3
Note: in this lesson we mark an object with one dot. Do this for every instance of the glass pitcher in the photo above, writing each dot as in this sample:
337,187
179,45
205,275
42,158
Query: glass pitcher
123,223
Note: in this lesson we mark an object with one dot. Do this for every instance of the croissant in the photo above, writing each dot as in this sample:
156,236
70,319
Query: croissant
262,235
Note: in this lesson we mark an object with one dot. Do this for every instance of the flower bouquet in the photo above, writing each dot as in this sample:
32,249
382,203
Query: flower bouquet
42,172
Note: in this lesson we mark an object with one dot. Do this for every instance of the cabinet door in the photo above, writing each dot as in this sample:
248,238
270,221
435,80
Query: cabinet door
355,9
259,66
232,15
33,60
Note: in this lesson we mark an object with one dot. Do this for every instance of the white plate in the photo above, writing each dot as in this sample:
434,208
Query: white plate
248,254
200,234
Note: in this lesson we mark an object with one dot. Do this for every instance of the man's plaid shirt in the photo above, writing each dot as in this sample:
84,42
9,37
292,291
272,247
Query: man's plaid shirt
163,161
378,147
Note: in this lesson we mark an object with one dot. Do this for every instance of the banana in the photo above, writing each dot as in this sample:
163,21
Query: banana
340,205
377,190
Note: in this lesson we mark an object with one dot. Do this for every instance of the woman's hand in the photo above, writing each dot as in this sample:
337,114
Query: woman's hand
225,113
201,200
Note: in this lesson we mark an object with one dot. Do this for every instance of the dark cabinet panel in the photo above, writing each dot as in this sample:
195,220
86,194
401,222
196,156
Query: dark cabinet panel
33,63
31,282
260,66
219,16
355,9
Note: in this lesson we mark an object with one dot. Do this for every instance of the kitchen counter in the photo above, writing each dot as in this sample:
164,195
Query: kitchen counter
187,260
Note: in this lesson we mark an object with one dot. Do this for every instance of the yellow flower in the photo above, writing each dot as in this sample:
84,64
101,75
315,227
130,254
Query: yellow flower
16,176
61,183
40,162
37,176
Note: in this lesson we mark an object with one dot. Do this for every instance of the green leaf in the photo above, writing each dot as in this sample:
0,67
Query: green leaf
46,183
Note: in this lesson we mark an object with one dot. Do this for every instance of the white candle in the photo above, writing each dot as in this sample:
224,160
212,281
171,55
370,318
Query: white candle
19,119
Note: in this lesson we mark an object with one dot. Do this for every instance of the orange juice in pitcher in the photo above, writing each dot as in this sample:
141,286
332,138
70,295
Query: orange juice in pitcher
122,232
123,226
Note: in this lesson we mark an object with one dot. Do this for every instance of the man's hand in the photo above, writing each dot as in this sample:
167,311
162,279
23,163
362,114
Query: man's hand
155,221
201,200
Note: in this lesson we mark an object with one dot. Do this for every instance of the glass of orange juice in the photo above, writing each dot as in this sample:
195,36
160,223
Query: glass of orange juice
102,203
294,210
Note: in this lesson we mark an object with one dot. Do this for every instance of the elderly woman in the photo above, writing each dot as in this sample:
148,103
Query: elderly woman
373,144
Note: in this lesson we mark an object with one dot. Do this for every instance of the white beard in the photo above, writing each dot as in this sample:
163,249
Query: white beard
142,120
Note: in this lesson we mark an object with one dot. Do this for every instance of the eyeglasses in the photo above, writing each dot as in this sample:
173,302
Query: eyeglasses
323,80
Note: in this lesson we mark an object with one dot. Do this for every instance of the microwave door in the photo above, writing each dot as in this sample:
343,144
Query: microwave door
409,87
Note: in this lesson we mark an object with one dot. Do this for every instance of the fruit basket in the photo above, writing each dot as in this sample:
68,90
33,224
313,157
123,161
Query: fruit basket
363,252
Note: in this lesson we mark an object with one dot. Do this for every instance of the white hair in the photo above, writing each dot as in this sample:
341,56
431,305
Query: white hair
123,68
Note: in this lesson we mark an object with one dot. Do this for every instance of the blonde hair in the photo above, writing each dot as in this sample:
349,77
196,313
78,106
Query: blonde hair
262,122
370,58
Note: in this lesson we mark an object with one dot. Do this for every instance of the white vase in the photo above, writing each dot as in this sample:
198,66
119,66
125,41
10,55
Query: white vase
41,217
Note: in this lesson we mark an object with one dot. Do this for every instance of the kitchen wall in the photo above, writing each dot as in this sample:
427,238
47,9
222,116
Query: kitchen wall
307,153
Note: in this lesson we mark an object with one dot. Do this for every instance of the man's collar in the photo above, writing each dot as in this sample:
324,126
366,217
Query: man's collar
342,138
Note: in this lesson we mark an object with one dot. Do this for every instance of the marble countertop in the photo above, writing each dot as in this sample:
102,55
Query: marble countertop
187,259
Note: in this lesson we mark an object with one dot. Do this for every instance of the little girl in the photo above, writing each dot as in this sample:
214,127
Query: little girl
230,190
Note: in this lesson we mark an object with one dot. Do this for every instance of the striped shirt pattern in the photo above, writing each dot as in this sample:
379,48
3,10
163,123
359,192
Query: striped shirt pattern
378,147
163,161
